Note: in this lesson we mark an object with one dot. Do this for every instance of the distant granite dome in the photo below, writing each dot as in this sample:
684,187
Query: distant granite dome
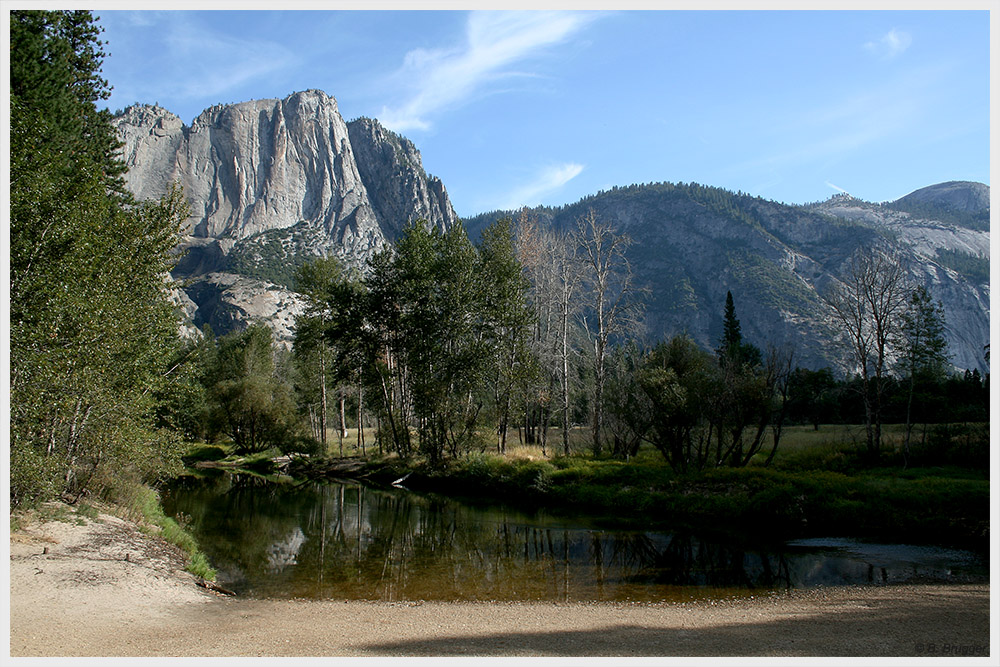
953,195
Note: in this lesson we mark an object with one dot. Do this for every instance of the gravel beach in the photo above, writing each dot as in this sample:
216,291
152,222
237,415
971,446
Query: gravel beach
102,588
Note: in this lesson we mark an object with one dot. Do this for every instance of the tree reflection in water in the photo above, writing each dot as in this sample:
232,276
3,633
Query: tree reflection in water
345,541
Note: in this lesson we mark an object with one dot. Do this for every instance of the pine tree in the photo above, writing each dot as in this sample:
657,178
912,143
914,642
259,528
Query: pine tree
732,349
91,326
731,334
924,349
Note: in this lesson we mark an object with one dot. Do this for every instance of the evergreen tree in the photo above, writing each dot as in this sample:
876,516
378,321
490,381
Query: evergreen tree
92,329
732,350
731,334
924,357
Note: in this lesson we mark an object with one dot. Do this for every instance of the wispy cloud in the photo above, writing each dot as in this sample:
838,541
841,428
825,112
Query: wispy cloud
891,44
189,60
548,180
444,78
222,63
838,189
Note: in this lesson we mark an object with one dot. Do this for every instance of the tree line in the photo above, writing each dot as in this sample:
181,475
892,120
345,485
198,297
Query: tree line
447,347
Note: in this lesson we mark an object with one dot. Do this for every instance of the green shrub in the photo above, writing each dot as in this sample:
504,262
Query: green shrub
300,444
956,444
205,453
140,503
33,477
200,567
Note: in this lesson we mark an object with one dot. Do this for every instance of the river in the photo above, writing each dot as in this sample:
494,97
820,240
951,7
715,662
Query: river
349,541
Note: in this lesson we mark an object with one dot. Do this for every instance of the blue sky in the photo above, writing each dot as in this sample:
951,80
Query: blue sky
526,108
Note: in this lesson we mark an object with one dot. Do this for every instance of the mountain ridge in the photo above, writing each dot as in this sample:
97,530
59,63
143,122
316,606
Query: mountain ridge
693,243
275,182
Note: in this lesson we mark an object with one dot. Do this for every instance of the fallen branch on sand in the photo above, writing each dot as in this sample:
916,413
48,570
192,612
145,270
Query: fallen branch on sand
212,586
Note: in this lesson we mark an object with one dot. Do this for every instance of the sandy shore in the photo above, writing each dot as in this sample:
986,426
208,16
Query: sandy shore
102,588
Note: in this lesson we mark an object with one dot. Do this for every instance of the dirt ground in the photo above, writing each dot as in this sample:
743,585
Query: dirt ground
102,588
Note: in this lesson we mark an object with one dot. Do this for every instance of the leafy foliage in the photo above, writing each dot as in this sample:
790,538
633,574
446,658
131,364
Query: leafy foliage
318,281
436,331
91,324
251,402
430,296
508,320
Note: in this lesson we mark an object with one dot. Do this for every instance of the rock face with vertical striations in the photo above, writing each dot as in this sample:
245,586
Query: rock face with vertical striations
271,183
399,189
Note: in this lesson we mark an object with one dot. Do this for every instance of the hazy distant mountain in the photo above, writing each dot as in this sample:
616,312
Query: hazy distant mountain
693,243
271,183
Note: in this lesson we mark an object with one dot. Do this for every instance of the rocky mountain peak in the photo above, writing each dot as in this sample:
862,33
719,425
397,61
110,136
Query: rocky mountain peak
965,196
279,181
149,115
270,164
403,191
693,243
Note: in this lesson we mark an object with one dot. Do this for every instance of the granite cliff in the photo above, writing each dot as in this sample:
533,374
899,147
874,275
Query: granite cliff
271,183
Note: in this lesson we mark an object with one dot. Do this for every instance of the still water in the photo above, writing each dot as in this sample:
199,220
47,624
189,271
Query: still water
350,541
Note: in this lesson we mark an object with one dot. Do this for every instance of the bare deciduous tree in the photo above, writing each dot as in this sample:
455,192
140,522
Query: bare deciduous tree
614,306
554,269
869,302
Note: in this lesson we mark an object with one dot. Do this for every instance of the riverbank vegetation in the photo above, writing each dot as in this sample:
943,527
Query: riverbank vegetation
441,354
93,331
821,484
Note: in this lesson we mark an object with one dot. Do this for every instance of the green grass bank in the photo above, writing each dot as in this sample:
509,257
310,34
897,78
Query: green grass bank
940,506
818,485
129,500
